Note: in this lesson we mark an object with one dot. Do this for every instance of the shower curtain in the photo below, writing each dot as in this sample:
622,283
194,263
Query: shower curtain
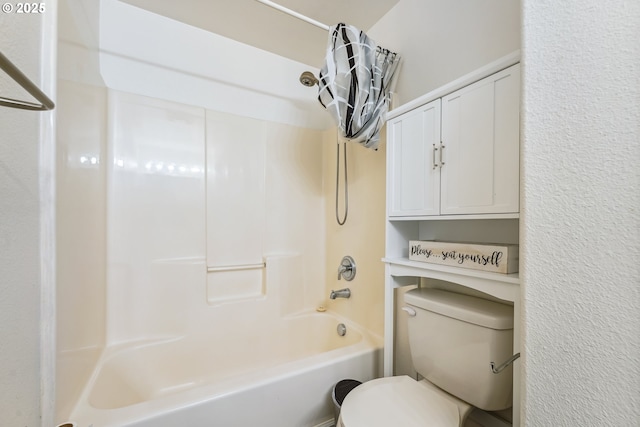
355,82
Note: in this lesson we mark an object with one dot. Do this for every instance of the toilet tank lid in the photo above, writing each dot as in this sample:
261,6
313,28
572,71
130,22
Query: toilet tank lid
478,311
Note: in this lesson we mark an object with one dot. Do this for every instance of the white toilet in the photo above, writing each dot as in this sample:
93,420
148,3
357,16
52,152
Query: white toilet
453,339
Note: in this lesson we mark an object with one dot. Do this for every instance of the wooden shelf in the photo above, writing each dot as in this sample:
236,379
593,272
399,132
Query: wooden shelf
456,217
503,286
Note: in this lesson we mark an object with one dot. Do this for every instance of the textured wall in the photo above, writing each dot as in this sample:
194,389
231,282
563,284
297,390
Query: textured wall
21,235
19,258
580,216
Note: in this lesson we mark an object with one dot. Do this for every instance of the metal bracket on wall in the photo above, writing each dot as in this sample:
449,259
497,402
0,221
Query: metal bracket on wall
19,77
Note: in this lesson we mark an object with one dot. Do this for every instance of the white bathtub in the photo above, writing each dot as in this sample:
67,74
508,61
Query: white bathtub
278,378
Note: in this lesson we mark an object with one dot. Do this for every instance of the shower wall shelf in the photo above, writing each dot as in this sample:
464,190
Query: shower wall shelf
18,76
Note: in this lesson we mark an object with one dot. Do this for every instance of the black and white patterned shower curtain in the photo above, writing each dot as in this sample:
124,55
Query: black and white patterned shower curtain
355,83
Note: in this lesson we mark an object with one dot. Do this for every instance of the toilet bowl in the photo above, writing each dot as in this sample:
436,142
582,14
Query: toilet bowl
401,401
453,338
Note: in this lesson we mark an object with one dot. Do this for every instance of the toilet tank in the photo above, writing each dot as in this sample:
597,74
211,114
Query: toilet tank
454,337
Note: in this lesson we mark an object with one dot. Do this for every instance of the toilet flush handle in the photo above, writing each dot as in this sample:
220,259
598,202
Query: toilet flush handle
504,365
410,311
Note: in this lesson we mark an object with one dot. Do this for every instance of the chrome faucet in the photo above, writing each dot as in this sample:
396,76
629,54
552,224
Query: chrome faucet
341,293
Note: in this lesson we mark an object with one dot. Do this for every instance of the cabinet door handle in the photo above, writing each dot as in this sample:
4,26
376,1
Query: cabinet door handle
441,151
435,165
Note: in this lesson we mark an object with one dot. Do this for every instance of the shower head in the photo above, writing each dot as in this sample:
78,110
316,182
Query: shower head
308,79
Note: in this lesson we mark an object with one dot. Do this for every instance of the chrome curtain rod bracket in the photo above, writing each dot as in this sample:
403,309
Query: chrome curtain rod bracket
19,77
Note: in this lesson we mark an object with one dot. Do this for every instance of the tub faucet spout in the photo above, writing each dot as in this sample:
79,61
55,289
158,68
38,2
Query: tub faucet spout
341,293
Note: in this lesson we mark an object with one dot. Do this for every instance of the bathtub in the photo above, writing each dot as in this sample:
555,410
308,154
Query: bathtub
283,377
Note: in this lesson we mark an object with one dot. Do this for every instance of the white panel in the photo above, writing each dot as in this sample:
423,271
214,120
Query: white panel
80,215
467,135
80,237
294,200
507,151
231,285
235,190
295,206
394,186
149,54
412,155
155,221
285,281
413,167
480,135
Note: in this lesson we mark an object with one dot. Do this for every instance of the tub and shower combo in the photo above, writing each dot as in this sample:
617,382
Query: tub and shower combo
178,340
178,302
284,380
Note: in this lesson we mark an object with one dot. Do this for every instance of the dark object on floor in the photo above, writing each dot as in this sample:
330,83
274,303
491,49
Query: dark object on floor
340,391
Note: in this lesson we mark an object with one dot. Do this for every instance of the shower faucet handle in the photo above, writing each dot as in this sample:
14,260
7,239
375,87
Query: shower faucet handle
347,268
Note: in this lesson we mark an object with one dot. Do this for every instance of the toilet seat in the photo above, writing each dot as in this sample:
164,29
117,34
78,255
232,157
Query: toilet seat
398,401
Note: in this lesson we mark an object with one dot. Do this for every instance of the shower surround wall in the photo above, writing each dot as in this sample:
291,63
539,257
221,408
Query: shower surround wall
81,234
162,173
362,235
162,230
156,222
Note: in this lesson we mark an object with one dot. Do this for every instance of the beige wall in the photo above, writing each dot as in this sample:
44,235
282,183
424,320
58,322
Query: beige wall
362,236
442,40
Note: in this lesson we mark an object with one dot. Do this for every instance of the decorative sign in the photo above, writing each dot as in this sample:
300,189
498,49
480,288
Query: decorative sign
494,258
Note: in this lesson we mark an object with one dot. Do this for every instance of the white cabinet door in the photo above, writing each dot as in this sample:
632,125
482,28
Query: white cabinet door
480,143
413,175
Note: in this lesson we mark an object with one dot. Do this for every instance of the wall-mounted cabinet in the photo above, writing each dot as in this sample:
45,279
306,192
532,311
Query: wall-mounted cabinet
412,149
453,175
458,154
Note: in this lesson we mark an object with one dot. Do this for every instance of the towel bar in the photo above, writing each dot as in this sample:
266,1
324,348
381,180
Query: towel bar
236,267
19,77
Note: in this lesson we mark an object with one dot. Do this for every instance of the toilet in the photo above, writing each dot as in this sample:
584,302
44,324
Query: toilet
453,338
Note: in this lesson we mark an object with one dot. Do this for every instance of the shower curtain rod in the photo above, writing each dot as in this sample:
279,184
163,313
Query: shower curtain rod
307,19
294,14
